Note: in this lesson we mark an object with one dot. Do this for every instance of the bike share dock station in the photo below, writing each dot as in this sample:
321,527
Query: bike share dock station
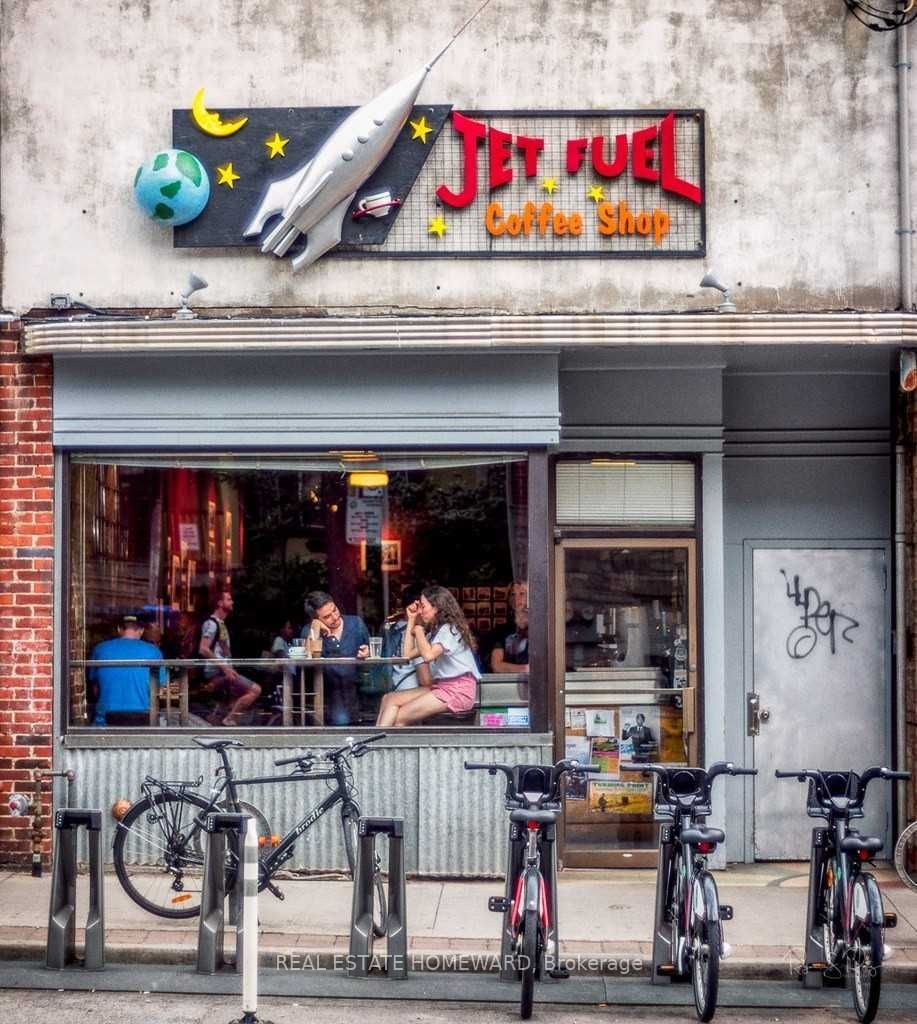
175,977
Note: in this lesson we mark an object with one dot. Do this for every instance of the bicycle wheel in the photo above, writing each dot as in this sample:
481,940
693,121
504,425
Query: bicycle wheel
350,822
158,854
906,856
705,965
865,954
529,963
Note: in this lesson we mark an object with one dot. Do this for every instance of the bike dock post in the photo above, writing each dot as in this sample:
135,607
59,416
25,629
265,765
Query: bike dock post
552,939
210,933
61,946
514,856
663,954
361,922
815,953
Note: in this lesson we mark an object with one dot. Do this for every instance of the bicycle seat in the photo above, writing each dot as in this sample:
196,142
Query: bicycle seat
521,817
703,835
216,744
861,844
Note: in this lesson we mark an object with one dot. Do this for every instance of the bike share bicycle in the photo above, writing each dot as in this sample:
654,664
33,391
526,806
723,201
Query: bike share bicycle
158,848
529,908
845,918
688,937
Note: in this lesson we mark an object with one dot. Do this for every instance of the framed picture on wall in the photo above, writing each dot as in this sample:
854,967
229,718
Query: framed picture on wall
391,555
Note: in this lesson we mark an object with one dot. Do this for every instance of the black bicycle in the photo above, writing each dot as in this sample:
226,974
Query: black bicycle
846,921
689,915
158,846
529,909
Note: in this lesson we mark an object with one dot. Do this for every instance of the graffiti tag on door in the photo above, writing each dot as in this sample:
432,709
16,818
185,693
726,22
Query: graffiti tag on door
818,619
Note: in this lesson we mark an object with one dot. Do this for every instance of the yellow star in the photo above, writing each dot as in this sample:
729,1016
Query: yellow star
421,130
597,193
275,145
437,227
549,185
227,175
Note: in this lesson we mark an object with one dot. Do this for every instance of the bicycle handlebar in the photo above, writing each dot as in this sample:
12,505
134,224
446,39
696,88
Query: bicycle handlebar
716,769
686,789
356,748
515,776
853,801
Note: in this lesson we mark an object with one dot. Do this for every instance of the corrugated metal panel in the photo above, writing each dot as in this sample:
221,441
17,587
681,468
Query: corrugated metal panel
625,493
464,821
455,822
386,783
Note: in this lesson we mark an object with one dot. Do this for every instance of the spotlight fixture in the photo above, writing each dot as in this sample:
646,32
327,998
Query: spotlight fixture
368,478
711,281
195,284
883,15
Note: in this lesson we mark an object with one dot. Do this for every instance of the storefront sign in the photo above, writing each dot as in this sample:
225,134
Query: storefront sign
622,184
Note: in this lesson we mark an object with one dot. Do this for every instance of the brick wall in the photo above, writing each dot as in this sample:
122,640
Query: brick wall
26,549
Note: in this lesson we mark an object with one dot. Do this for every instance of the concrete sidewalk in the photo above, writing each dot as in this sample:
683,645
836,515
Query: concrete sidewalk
604,916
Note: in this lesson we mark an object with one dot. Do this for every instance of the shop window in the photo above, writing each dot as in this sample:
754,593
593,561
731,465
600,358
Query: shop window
163,539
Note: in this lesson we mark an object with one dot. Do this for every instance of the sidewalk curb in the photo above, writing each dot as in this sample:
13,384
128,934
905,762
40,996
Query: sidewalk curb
440,961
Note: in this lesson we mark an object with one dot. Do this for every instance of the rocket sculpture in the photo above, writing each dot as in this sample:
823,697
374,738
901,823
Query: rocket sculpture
314,199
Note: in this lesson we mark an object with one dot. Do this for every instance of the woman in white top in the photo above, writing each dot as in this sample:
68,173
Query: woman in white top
440,644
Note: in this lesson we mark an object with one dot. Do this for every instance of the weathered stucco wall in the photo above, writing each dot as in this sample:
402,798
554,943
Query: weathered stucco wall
801,183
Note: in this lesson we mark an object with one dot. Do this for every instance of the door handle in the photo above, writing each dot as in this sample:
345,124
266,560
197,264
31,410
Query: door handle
764,715
753,714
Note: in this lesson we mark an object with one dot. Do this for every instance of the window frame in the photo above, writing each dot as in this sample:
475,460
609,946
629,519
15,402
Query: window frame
540,685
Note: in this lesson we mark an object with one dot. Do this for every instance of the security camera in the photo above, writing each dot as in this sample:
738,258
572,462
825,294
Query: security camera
907,370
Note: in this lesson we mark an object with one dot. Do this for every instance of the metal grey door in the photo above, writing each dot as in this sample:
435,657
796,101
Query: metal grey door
820,683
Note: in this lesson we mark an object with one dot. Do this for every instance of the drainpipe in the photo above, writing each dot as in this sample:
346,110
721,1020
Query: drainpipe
905,231
902,573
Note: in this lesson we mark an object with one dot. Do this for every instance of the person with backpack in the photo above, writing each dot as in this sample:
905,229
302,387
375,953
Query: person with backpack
215,645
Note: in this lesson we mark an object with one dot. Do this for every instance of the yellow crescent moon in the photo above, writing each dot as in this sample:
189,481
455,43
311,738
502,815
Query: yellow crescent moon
210,122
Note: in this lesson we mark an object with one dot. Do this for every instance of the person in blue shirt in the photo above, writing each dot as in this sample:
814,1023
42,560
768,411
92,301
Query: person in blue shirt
124,691
343,636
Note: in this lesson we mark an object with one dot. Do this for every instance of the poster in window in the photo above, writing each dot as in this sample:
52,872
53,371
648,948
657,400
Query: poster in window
189,537
622,799
575,721
577,748
600,722
640,733
605,755
672,748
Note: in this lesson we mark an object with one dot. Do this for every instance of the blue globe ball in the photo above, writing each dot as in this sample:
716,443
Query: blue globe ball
172,187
